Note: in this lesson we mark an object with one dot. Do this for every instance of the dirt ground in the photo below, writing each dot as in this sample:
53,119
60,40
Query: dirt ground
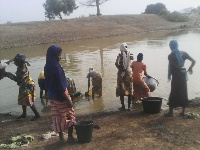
118,130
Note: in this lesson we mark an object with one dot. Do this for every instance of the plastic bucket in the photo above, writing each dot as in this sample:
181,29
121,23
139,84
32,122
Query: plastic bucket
152,104
84,131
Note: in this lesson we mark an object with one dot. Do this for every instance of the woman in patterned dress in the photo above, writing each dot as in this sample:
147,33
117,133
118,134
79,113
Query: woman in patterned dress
26,85
124,79
96,82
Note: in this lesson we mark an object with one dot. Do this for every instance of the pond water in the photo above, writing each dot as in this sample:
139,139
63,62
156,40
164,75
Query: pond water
101,54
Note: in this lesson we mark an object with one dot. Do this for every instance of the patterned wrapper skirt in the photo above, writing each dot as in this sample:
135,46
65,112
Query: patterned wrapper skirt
124,83
62,116
97,85
27,92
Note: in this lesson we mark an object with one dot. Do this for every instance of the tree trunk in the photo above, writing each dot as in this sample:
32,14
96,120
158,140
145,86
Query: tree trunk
98,9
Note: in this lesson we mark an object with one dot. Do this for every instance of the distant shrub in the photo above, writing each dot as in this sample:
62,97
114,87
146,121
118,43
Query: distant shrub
177,17
154,8
164,13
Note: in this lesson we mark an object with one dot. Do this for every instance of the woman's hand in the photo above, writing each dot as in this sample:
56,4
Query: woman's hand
69,103
190,70
68,99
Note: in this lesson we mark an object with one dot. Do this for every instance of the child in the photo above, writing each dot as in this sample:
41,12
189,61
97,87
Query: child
42,84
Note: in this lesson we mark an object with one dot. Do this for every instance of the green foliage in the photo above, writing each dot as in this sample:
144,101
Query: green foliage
154,8
54,8
177,17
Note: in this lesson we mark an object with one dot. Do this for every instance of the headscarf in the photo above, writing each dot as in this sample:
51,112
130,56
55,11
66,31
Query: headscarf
126,56
139,57
20,58
52,63
174,47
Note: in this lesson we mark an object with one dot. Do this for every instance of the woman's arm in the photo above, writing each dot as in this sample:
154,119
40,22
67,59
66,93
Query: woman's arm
145,72
69,102
193,62
10,75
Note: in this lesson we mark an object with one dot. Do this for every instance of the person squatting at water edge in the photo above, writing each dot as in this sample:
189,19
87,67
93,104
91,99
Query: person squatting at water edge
178,96
140,88
26,85
63,115
96,82
124,80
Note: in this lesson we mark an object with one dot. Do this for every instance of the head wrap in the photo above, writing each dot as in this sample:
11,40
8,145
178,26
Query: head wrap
126,55
20,58
173,44
139,57
52,64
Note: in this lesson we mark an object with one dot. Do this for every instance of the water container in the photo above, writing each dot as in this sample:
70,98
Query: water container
152,83
2,69
84,131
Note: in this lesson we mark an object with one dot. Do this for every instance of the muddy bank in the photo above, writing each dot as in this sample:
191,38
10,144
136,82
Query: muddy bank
36,33
118,130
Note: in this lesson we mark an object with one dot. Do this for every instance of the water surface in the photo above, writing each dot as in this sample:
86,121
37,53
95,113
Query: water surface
101,54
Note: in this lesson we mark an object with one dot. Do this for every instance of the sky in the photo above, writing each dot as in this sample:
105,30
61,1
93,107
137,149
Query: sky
33,10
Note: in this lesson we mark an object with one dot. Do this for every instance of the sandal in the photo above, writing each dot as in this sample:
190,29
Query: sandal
35,118
168,114
121,109
71,139
182,114
22,116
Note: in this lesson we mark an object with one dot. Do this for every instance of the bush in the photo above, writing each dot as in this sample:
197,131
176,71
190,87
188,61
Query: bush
177,17
154,8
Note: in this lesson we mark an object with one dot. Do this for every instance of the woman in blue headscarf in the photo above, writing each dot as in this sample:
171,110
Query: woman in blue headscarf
178,96
63,115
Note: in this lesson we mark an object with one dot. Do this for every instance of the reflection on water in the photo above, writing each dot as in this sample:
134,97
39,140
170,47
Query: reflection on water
78,56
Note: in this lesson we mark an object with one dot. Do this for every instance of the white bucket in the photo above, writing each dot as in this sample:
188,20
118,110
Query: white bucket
151,82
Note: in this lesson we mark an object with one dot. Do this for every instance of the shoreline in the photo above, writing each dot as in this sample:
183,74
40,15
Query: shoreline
26,34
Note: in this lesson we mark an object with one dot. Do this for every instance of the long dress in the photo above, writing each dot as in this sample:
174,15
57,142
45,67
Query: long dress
96,82
140,88
124,79
26,85
178,96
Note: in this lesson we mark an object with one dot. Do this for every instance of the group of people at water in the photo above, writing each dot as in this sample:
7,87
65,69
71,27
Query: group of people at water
130,75
129,83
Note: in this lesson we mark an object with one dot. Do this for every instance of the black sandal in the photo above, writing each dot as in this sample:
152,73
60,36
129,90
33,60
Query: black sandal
22,116
35,118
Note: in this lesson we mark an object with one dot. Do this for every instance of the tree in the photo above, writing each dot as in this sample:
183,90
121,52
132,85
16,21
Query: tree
54,8
155,8
95,3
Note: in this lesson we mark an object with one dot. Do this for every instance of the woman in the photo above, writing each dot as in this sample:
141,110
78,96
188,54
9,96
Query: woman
140,88
124,82
26,85
96,82
63,115
178,95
